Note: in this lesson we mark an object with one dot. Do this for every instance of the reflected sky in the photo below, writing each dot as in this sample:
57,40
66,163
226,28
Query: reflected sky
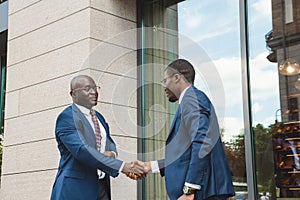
214,25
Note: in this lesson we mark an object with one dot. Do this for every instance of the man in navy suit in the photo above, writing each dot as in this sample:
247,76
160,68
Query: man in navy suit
86,163
195,166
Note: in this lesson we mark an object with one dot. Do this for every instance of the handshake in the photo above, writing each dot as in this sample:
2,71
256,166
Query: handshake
137,170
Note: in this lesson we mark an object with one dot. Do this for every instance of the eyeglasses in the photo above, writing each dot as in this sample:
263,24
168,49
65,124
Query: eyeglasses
165,79
89,88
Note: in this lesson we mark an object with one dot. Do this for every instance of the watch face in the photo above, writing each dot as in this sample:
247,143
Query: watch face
185,190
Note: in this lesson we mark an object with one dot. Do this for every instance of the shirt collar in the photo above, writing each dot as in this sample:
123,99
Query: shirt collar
182,94
83,109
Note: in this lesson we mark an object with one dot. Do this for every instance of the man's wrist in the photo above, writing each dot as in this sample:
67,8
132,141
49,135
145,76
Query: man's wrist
188,197
121,168
188,190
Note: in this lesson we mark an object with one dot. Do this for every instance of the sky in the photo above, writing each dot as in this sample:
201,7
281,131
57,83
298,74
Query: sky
216,30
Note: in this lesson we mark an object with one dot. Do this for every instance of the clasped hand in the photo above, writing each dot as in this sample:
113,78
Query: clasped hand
137,170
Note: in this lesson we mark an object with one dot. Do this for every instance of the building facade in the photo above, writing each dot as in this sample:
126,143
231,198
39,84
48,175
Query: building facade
125,46
49,42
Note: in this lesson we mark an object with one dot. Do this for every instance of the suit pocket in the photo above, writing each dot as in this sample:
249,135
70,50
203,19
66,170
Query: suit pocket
73,174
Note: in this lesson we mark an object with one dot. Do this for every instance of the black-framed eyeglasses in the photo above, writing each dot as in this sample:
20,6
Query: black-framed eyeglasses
89,88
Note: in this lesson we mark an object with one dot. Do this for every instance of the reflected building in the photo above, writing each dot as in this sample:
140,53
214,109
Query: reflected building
283,42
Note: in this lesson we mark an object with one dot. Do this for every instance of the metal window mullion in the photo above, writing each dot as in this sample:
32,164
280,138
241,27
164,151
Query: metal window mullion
246,89
140,91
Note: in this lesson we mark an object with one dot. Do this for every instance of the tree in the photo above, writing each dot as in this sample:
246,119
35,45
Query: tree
235,154
264,157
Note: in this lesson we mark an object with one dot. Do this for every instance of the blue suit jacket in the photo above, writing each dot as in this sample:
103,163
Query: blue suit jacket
194,151
77,172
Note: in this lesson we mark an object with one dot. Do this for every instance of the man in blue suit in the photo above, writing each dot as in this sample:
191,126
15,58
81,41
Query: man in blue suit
87,159
195,166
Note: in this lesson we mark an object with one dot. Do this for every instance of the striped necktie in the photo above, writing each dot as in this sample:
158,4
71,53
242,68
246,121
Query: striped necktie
97,130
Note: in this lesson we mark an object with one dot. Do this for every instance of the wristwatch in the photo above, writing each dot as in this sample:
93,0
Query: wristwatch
187,190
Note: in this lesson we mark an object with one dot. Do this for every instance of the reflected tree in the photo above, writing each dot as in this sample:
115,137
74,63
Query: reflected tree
264,157
235,153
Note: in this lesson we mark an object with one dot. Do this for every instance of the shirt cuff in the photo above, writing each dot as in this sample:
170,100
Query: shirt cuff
121,168
114,154
194,186
154,167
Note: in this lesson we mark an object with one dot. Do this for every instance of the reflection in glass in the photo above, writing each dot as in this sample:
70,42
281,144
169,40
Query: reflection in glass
289,67
285,134
297,84
265,99
216,30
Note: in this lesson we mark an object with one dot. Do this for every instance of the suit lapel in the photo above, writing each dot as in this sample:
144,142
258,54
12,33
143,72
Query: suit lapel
104,124
108,138
87,131
175,121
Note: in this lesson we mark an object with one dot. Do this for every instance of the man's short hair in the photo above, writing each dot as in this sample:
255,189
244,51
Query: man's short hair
185,68
76,79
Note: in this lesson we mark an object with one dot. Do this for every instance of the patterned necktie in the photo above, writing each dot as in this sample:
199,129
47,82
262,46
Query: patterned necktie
97,130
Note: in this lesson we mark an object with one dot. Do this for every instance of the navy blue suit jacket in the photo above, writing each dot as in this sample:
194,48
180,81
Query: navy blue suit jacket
194,151
77,172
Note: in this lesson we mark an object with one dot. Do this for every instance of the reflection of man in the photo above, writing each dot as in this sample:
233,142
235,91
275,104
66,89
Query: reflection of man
85,145
195,166
264,196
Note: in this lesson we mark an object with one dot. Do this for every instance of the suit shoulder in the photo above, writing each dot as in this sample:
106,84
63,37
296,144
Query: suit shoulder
65,113
201,94
65,119
196,96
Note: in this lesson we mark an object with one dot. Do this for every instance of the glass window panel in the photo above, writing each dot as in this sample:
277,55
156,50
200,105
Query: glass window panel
275,97
215,29
208,36
158,49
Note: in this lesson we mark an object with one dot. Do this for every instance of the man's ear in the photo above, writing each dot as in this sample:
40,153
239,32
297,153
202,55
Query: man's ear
72,93
177,77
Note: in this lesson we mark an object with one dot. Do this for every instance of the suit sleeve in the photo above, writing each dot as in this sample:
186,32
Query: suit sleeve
196,119
161,165
67,132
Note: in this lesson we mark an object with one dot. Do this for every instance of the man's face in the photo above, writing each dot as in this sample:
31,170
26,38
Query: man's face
170,85
85,93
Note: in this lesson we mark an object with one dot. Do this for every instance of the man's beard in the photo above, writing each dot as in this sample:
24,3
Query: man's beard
172,97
